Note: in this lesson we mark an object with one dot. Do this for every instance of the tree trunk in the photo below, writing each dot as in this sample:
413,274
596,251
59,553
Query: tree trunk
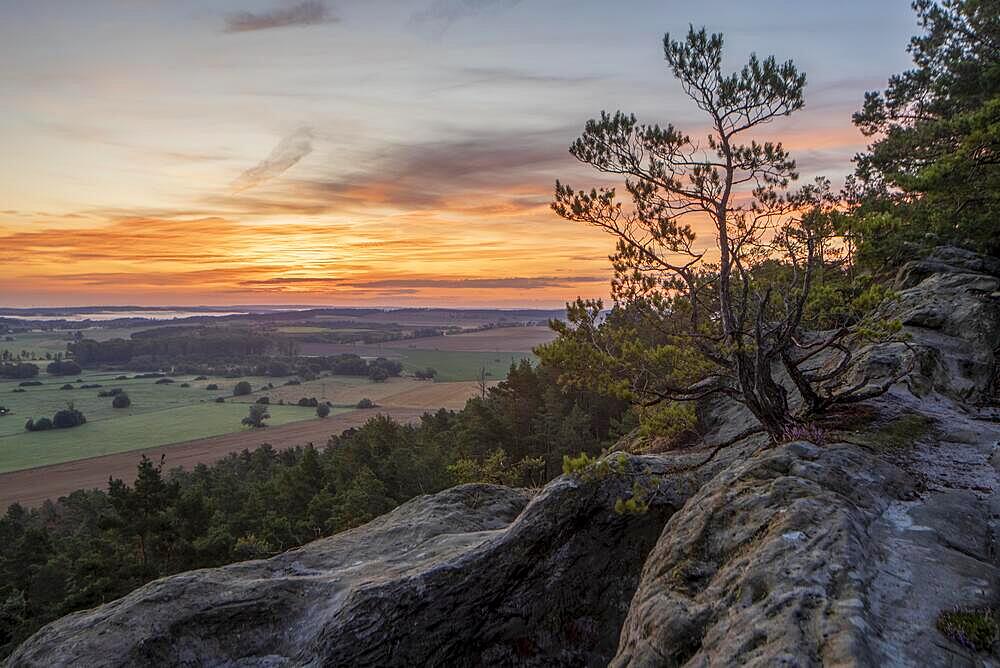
766,399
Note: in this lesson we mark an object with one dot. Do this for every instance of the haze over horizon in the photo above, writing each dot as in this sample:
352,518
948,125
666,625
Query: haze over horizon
350,153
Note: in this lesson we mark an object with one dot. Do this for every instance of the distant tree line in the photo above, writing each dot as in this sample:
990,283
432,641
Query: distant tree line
18,370
213,351
168,345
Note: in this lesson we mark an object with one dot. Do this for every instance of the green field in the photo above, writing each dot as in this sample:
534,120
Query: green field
159,414
453,365
146,395
168,413
132,432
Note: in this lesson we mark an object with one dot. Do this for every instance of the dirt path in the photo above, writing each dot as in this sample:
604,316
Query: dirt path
30,487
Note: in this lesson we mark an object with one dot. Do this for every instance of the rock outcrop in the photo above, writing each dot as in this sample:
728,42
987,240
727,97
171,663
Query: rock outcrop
845,553
839,553
950,305
821,555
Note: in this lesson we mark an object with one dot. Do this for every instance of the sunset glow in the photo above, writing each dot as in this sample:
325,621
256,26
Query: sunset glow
386,153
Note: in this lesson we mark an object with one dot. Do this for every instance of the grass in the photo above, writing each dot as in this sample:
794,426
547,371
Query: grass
134,432
975,629
169,413
159,415
901,432
338,390
146,396
302,329
459,365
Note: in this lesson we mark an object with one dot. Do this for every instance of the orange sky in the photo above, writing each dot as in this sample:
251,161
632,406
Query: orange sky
161,156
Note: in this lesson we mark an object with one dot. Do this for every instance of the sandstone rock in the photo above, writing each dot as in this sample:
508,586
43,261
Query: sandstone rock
807,555
949,309
946,259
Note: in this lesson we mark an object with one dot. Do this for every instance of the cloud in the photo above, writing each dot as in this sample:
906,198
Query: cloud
492,77
442,13
518,283
285,155
294,280
417,284
483,174
307,13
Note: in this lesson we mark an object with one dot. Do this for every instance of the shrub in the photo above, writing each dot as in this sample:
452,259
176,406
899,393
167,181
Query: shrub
425,374
113,392
30,383
366,403
220,400
811,432
263,400
256,417
211,386
322,410
974,629
63,368
121,400
242,388
381,369
669,421
42,424
67,418
19,389
164,381
308,403
67,386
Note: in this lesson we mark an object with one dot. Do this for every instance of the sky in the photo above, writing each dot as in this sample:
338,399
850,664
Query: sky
362,152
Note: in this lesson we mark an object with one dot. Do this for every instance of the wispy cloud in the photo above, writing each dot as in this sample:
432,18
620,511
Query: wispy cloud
478,174
442,13
517,282
509,283
294,280
285,155
307,13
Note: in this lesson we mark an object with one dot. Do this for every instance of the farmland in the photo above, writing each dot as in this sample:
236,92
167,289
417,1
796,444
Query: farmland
30,487
456,357
159,414
101,437
183,409
165,413
517,339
